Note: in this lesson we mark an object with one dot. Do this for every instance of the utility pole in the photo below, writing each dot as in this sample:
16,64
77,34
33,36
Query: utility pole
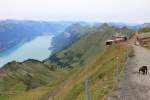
87,92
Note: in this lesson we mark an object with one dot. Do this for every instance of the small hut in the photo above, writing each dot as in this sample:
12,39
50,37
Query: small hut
119,38
109,42
116,39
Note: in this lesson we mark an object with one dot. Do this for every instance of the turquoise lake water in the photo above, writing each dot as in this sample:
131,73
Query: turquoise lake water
37,48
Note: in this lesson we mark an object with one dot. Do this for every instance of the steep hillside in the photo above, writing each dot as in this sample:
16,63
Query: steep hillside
86,47
144,30
18,77
77,30
69,36
147,45
93,61
64,73
101,72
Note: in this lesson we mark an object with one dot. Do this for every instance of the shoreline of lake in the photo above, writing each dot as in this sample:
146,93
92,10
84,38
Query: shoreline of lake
37,48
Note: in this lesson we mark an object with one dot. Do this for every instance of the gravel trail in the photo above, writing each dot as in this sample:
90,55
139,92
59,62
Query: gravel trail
132,85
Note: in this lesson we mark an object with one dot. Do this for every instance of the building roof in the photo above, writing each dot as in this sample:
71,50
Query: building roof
109,40
121,36
144,35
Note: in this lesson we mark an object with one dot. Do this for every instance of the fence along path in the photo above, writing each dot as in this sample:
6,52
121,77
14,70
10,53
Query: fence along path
132,85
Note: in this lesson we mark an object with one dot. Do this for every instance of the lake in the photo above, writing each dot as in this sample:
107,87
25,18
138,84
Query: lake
38,49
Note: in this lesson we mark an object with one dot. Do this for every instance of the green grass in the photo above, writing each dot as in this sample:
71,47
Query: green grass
131,52
100,71
15,82
147,45
86,58
143,30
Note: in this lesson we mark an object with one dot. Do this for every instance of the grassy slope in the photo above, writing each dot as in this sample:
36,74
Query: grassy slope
100,71
147,45
86,48
15,79
97,65
143,30
81,60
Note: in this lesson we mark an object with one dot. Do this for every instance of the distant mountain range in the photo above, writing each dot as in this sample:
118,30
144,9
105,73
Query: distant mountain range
13,32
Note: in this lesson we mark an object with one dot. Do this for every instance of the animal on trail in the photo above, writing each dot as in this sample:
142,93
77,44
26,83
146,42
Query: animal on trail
143,69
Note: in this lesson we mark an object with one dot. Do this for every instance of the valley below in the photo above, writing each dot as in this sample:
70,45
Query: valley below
37,48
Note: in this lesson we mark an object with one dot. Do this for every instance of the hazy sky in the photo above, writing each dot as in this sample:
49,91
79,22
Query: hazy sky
133,11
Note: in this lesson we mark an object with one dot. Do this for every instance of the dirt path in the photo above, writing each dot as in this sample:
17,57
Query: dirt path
133,86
